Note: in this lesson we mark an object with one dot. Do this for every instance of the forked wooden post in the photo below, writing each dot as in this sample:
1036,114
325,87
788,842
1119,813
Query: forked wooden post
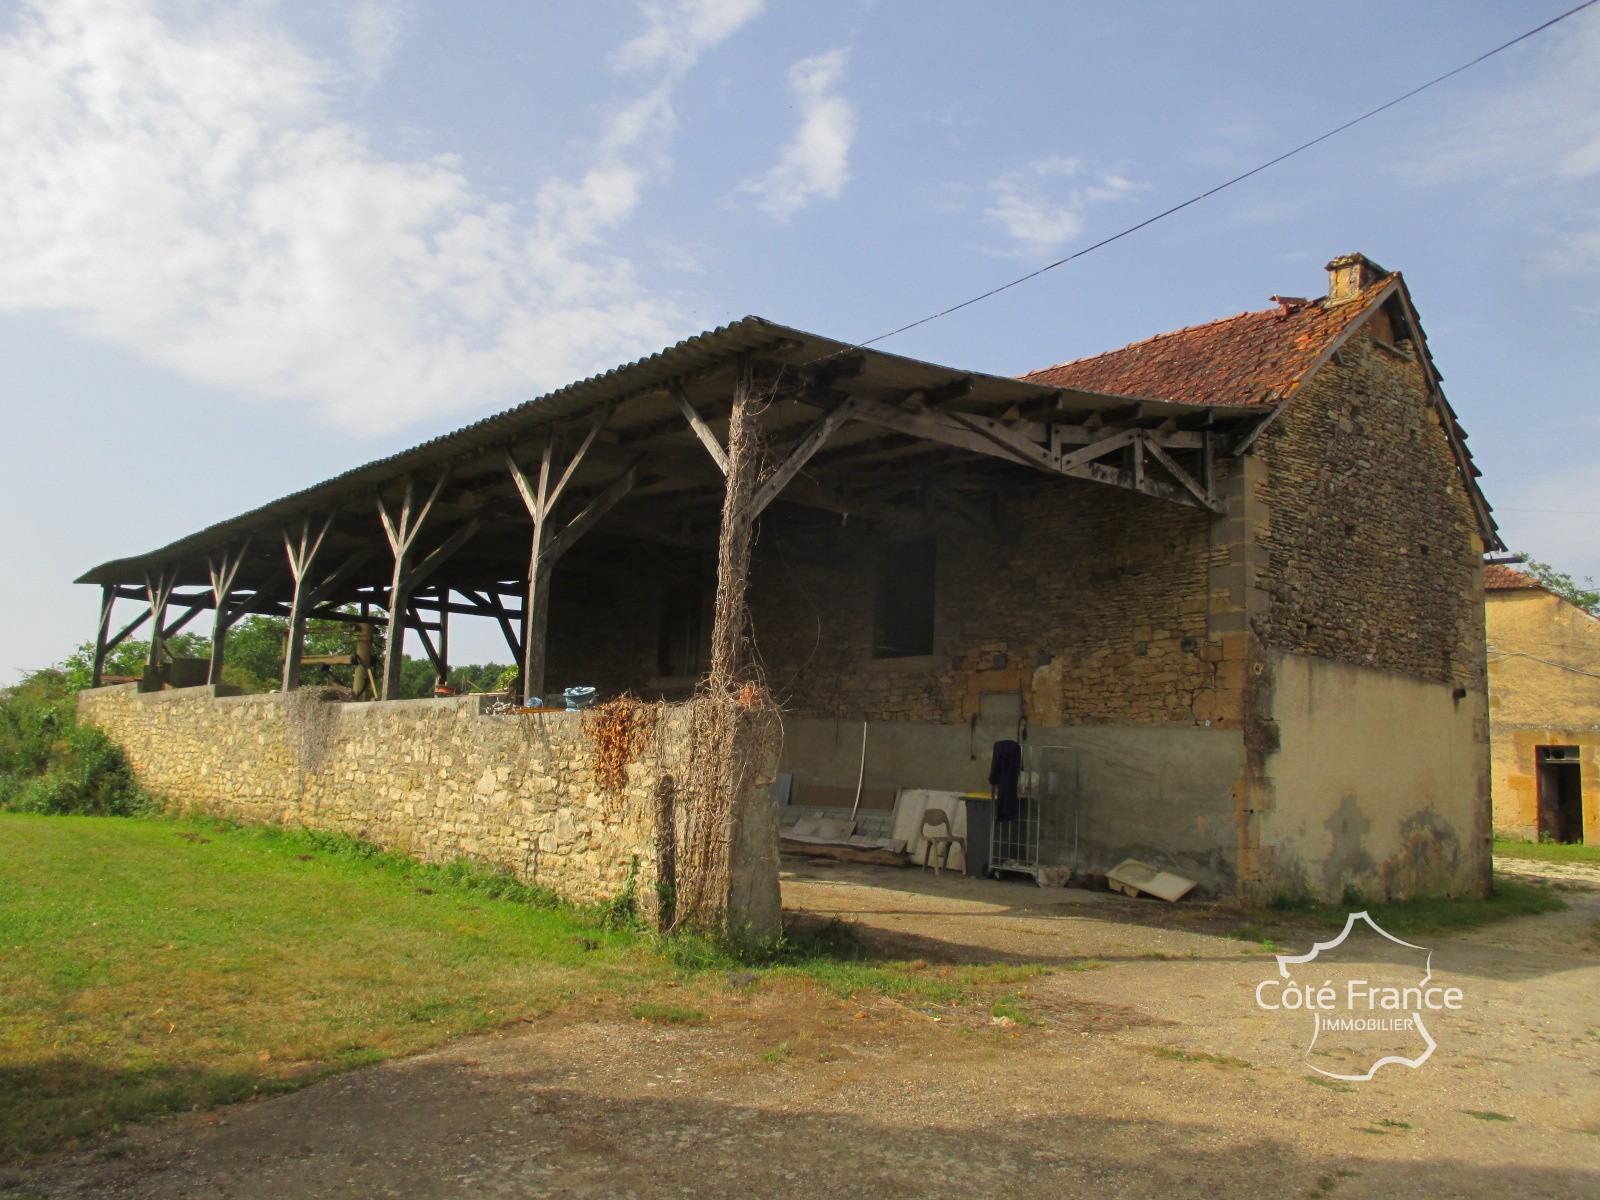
224,568
540,497
158,588
402,530
302,552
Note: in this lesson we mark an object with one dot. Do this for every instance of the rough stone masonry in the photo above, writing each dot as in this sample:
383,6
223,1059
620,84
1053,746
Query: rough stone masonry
439,780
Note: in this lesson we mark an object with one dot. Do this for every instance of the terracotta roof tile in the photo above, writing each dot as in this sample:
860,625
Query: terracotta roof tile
1252,358
1499,578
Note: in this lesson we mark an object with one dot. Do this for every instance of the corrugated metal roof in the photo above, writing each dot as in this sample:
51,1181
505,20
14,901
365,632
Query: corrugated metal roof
691,357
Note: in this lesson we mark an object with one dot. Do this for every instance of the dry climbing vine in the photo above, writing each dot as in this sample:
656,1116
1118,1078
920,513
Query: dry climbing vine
619,731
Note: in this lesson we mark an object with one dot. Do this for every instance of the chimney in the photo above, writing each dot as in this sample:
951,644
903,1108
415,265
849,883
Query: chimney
1349,275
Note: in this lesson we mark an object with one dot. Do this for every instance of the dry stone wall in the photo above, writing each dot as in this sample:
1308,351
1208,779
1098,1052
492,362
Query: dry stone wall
435,779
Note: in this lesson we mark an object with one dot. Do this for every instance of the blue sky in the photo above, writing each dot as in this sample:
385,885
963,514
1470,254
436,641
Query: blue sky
245,246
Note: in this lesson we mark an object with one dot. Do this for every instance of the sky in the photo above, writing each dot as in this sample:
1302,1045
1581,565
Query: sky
245,246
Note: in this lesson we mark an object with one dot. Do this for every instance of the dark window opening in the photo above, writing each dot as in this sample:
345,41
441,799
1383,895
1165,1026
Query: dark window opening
679,632
903,623
1560,794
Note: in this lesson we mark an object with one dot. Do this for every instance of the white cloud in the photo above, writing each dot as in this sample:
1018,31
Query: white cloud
1038,213
677,32
816,161
377,28
188,192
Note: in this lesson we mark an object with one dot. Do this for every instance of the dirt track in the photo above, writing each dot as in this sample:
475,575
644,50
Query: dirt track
1151,1075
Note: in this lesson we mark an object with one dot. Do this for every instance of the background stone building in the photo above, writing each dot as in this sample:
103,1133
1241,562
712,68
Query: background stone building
1544,710
1286,696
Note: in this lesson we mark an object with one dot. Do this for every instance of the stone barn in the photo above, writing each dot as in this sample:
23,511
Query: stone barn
1224,587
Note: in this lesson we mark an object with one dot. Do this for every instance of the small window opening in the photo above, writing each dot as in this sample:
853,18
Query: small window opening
903,622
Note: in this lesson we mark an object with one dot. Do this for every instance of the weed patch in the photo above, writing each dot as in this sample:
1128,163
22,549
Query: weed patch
1199,1056
668,1014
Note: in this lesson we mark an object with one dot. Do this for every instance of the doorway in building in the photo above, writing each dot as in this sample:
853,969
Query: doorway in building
1560,794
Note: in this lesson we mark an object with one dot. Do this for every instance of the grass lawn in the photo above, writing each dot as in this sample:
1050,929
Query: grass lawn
1560,852
151,965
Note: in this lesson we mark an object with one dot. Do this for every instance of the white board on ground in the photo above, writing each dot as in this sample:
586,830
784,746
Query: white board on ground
1134,875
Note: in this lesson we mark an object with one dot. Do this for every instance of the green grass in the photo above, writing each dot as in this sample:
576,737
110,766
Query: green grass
1507,898
667,1014
1559,852
779,1053
1484,1115
149,965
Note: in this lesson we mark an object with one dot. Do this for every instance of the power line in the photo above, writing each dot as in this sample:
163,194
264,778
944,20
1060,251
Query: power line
1272,162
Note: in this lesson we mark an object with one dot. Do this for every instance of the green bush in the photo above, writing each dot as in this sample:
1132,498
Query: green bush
51,764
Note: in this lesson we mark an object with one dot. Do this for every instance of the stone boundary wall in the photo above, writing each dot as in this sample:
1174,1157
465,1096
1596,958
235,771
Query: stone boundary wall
435,779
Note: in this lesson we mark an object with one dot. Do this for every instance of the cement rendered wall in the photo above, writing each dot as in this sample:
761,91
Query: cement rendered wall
1379,783
1163,793
1544,690
436,780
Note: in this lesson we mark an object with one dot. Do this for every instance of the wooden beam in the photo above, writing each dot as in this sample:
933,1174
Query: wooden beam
444,550
108,600
1177,472
800,456
554,496
701,429
126,631
597,508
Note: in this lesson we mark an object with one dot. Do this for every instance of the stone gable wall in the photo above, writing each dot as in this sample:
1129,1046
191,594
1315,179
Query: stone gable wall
1372,553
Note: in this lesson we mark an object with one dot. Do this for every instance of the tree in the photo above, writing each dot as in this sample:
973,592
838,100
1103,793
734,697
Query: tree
1565,586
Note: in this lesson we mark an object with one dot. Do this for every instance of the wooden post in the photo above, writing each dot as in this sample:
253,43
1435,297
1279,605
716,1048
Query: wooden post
223,573
402,530
536,606
443,679
541,498
302,553
159,589
730,626
108,599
